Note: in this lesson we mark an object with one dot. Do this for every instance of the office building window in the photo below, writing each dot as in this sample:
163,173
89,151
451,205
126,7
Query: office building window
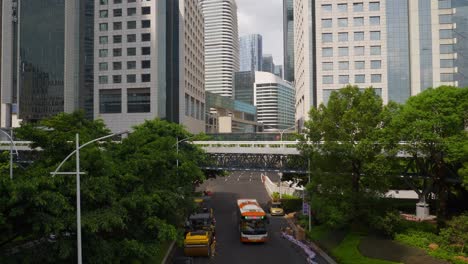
376,64
445,19
116,65
343,79
376,78
103,79
103,66
327,66
146,10
103,40
358,7
343,36
192,107
117,52
446,63
445,4
131,78
187,104
327,8
343,51
358,21
131,38
446,33
117,25
446,77
327,37
374,6
359,78
327,23
103,2
146,37
131,1
146,64
359,65
343,65
103,27
103,53
375,35
131,51
327,52
103,13
358,35
342,22
110,101
138,100
116,78
446,48
117,12
146,77
359,50
117,1
131,65
327,79
374,20
375,50
131,24
117,38
342,7
145,24
145,51
131,11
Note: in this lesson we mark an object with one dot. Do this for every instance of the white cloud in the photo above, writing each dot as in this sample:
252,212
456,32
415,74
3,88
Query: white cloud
264,17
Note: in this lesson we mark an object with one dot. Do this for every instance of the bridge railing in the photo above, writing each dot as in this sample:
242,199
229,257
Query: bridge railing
252,147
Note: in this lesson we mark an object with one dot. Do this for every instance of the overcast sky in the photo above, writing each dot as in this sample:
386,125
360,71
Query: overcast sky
264,17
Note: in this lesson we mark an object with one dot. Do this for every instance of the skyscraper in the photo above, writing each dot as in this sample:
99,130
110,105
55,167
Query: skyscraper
47,55
221,45
288,40
251,52
267,63
150,63
367,44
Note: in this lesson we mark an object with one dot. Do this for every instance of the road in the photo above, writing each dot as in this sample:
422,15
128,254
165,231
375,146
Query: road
229,249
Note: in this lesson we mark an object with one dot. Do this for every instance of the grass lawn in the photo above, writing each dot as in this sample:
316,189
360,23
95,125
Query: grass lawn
347,252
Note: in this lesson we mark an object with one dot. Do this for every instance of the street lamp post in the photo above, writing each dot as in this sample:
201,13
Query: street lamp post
78,193
12,143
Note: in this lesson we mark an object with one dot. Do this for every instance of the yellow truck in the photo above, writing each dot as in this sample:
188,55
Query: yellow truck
200,235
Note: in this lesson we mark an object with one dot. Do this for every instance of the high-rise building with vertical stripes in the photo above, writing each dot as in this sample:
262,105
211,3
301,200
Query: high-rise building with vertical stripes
251,52
221,45
397,47
288,40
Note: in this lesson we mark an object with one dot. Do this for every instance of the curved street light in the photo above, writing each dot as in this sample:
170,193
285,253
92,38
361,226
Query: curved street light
78,194
12,143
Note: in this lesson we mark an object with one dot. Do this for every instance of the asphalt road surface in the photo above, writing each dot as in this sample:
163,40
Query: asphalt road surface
226,191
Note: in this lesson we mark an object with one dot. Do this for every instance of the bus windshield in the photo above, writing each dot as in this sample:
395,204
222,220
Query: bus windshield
253,227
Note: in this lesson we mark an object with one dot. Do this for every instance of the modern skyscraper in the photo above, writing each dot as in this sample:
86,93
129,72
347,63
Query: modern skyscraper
149,63
367,43
288,40
251,52
221,45
279,71
267,63
47,54
273,96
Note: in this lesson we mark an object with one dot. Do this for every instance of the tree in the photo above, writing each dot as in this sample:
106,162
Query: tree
432,127
347,167
133,195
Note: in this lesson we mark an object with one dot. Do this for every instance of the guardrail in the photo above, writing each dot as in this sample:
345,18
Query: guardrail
250,147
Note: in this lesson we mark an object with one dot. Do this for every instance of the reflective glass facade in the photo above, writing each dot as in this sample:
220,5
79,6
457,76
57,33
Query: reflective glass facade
288,39
425,44
461,47
250,52
398,50
243,86
42,34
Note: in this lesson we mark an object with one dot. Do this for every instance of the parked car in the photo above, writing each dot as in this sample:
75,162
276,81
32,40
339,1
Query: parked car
276,209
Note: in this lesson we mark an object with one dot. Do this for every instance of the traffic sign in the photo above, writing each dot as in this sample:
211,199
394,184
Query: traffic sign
305,208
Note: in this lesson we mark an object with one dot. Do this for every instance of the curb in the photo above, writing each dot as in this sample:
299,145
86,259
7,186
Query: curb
314,247
168,253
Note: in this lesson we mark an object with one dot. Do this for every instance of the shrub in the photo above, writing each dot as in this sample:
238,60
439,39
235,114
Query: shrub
389,224
291,204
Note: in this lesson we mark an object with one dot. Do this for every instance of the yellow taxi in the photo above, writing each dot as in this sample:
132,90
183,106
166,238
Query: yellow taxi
276,209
